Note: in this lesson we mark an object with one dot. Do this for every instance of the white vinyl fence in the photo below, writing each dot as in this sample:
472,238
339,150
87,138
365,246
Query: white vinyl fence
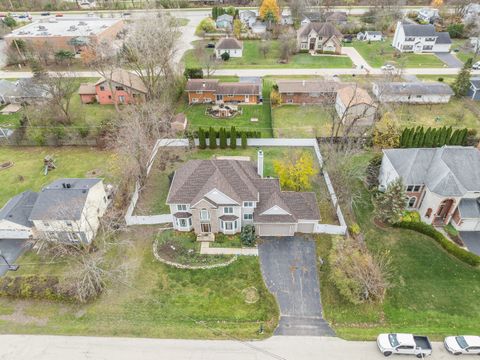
167,218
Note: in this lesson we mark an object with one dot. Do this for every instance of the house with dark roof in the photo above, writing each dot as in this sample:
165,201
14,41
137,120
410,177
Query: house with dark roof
122,87
15,217
310,16
26,91
318,37
69,209
223,195
474,90
419,92
442,184
420,39
212,91
336,17
229,45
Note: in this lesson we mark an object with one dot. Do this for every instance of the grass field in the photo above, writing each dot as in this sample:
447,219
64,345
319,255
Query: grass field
153,196
27,172
377,53
432,294
155,301
252,58
293,121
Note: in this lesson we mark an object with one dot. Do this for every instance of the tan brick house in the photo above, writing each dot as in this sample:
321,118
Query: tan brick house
302,92
212,91
317,37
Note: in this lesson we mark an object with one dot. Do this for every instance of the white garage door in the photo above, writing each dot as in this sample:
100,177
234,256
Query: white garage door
14,234
306,228
275,229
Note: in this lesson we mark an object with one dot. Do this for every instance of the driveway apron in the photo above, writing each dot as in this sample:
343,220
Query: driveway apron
289,268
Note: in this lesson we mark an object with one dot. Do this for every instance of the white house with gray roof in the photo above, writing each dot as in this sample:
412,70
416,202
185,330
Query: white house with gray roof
14,217
419,92
225,194
442,184
229,45
420,39
70,210
474,90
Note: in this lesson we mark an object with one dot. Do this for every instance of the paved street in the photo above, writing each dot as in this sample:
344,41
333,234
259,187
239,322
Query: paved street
28,347
289,268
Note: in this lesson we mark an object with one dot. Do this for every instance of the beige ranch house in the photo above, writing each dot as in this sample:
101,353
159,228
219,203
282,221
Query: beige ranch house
442,184
224,194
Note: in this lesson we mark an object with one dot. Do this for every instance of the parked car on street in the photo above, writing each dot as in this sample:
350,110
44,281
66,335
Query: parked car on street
458,345
59,15
210,46
45,13
476,66
404,344
388,67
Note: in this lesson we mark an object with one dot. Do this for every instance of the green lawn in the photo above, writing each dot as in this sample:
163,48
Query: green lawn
156,301
464,51
154,194
293,121
377,53
252,58
448,79
458,113
432,294
27,172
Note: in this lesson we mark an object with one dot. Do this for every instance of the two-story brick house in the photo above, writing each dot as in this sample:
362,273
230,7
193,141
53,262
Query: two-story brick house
223,195
318,37
442,184
420,39
122,87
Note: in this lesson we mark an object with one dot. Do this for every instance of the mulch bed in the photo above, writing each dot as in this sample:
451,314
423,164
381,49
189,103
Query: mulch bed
6,165
380,224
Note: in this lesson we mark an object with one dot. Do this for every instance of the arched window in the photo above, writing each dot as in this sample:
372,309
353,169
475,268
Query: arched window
412,201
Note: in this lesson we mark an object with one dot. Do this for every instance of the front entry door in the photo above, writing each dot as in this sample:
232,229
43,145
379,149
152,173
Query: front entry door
312,43
206,228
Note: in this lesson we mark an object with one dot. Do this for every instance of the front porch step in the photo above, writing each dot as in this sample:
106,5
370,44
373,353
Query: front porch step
206,237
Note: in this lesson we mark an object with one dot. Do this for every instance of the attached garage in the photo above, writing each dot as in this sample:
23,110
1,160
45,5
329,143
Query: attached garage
305,227
275,229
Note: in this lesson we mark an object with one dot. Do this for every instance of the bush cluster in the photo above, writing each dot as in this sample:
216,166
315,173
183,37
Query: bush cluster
449,246
36,287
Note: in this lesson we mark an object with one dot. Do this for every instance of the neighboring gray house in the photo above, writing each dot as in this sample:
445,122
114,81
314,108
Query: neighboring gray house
442,184
420,92
70,210
21,91
224,21
370,36
474,91
420,39
229,45
248,17
309,17
259,27
225,194
471,12
428,15
337,17
14,217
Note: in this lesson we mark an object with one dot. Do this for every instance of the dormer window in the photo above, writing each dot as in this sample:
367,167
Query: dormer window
181,207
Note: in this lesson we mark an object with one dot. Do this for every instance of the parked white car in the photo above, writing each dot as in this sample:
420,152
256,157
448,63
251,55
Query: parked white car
388,67
458,345
476,66
404,344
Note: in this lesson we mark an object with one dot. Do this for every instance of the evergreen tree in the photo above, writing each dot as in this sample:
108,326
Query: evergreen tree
435,137
454,137
233,138
244,140
402,137
411,138
462,82
202,142
421,138
449,135
214,13
428,138
390,204
463,137
223,138
212,138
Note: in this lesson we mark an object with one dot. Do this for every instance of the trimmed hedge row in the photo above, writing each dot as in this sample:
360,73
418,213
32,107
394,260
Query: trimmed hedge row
449,246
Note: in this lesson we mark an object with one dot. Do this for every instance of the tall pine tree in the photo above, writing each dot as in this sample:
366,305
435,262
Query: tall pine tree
212,138
462,82
233,138
202,142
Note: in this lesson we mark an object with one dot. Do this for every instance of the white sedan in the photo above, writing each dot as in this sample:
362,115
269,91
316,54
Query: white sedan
476,66
458,345
388,67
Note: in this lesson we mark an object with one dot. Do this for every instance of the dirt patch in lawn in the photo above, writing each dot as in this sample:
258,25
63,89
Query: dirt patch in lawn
6,165
19,316
251,295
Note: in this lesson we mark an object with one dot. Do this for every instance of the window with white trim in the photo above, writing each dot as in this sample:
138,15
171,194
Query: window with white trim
181,207
228,210
248,204
228,225
204,215
412,201
247,217
410,188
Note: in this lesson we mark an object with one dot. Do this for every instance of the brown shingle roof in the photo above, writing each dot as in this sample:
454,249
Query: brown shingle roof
127,79
324,30
336,16
87,89
202,84
354,95
307,86
229,43
224,88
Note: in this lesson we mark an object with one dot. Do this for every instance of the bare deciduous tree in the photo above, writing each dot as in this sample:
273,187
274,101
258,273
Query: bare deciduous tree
150,50
207,60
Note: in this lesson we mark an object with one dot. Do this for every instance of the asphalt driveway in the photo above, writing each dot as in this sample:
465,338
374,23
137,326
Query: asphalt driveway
450,60
11,249
289,268
471,240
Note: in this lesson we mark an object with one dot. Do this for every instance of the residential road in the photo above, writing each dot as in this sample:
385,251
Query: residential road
27,347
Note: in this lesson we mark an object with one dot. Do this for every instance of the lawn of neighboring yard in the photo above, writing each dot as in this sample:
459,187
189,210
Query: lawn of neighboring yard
252,58
448,79
458,113
153,196
433,293
27,172
155,301
464,49
306,121
377,53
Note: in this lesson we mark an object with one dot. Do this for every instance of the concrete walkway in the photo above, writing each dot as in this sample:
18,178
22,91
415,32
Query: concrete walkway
205,249
28,347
